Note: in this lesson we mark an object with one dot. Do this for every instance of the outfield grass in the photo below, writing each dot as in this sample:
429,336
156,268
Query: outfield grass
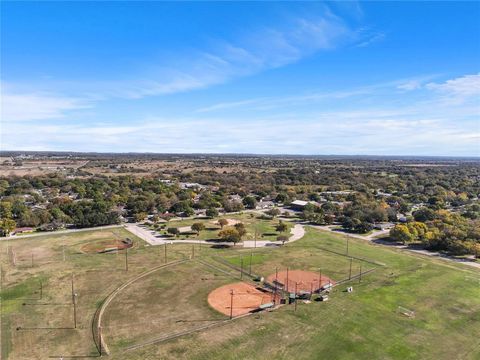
364,324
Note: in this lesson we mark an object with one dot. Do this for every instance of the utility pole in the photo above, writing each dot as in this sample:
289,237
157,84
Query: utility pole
231,304
350,273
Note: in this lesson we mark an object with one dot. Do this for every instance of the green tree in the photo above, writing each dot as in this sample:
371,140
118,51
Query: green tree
281,226
273,212
240,227
197,227
173,231
7,226
5,210
222,222
230,234
402,234
211,212
250,202
138,217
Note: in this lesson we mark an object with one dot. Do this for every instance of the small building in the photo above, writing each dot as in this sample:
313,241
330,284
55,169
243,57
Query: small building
22,230
383,226
298,205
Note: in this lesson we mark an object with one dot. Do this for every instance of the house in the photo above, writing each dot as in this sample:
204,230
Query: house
265,205
22,230
383,226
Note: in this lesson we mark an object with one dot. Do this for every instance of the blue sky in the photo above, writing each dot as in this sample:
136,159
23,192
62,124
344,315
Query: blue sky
386,78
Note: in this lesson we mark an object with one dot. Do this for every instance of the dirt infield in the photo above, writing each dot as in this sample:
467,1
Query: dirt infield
306,280
246,298
103,246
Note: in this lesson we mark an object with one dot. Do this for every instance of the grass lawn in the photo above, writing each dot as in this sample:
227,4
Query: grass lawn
365,324
265,228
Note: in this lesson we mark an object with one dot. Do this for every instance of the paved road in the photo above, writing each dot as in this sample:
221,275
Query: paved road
298,231
153,238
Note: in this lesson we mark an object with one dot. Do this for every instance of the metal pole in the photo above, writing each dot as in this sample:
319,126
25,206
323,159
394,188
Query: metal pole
350,273
100,340
241,268
287,280
295,296
319,280
73,290
231,304
250,269
75,311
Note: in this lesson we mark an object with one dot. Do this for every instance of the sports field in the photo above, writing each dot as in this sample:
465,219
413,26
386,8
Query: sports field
142,320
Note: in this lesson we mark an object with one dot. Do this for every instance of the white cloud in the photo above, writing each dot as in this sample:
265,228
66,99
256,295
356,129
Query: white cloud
459,89
255,51
37,106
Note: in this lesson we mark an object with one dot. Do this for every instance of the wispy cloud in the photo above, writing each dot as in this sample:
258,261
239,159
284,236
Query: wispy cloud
372,39
37,106
255,51
458,90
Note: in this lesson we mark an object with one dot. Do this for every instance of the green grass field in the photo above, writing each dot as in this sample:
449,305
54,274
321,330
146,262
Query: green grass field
265,228
365,324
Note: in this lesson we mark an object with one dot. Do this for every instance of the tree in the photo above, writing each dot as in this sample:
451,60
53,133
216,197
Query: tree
233,206
230,234
273,212
222,222
211,212
173,231
240,227
424,214
250,202
401,233
281,227
138,217
282,238
7,226
5,210
197,227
